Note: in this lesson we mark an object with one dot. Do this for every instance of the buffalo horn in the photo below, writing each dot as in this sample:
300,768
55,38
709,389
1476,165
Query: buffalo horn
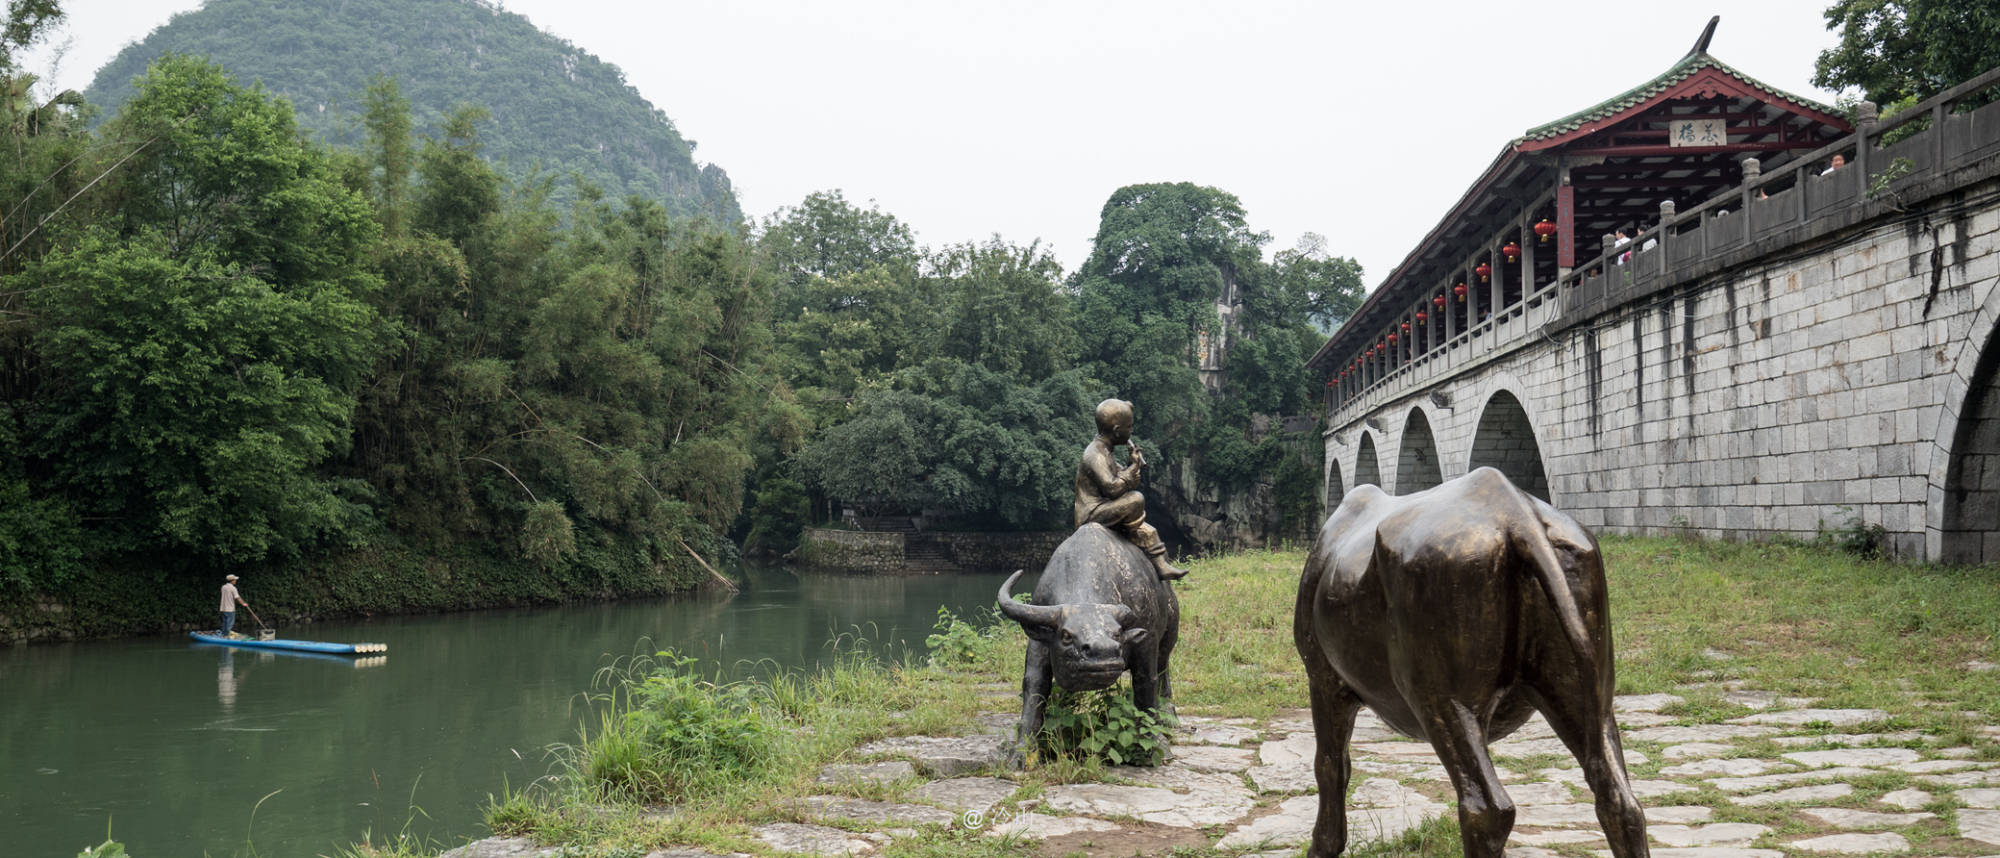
1027,615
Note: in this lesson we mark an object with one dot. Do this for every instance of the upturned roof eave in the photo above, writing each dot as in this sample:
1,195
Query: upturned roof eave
1552,135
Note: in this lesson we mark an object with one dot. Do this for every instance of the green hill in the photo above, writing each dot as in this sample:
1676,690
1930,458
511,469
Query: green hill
553,104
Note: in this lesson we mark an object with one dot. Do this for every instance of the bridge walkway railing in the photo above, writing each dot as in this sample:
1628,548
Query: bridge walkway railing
1932,147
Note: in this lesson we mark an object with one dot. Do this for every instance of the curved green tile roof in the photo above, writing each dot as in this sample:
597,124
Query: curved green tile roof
1639,94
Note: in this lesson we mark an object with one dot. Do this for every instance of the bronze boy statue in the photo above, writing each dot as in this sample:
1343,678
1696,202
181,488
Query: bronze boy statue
1109,495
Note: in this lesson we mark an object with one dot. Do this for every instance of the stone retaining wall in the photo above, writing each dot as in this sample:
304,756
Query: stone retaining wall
851,550
886,553
1001,552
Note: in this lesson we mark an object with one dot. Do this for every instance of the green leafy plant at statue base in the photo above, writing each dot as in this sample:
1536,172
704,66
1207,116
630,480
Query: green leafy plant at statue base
1105,725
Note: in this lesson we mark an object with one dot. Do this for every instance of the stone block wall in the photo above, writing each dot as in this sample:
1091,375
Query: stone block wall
1814,385
1001,552
887,553
851,550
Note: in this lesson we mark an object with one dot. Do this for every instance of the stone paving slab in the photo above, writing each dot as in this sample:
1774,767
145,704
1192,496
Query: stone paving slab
800,839
1678,814
1211,758
1760,782
1700,733
1290,826
974,795
1854,757
1817,792
1980,825
1037,826
1986,798
1644,702
843,774
1558,837
943,756
1804,717
1703,852
863,810
1292,777
1715,834
1961,779
502,847
1733,766
1295,748
1849,739
1841,817
1907,799
1928,767
1854,844
1697,750
1218,734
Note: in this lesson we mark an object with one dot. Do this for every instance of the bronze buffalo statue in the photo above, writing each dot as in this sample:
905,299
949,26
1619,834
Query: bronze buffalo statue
1455,613
1100,609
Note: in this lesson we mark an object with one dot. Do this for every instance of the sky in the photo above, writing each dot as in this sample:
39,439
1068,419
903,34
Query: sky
1362,122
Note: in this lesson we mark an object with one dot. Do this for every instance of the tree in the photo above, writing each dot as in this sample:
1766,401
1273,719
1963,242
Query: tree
963,440
203,344
28,22
1903,50
1163,256
387,118
1001,307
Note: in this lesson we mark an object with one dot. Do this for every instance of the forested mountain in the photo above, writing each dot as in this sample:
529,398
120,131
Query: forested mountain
551,103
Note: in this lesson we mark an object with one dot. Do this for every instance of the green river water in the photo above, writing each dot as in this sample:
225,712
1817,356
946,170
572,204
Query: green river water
188,750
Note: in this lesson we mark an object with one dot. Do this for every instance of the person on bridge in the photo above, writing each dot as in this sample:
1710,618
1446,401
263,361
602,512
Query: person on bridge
1109,495
230,599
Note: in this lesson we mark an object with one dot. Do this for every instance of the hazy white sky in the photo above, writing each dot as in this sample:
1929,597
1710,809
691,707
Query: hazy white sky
1359,121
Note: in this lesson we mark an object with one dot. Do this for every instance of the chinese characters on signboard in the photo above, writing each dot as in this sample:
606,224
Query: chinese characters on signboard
1697,132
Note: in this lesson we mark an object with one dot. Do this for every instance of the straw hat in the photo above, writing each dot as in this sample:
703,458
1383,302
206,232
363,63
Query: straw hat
228,577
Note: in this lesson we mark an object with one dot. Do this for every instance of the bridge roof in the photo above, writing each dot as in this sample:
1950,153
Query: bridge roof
1621,163
1699,69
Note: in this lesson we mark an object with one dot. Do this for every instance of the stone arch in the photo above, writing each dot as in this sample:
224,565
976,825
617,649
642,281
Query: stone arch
1367,471
1968,445
1957,443
1505,441
1417,465
1336,488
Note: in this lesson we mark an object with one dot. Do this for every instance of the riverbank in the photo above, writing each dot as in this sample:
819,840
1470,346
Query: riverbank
1777,699
128,599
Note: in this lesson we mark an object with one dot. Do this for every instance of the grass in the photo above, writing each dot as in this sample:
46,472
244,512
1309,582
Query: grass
1688,617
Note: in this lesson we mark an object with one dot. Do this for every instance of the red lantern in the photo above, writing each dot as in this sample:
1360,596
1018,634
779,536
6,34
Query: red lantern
1392,339
1406,327
1545,229
1438,301
1420,314
1459,290
1512,251
1482,269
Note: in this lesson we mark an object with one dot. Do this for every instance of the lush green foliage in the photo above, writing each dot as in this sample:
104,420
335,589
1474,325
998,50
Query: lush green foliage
1164,257
202,343
1104,725
555,106
1905,50
667,734
216,356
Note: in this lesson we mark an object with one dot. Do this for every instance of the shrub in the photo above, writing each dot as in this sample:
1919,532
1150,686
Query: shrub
1104,725
667,733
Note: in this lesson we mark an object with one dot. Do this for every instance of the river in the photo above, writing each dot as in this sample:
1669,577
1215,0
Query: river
185,749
